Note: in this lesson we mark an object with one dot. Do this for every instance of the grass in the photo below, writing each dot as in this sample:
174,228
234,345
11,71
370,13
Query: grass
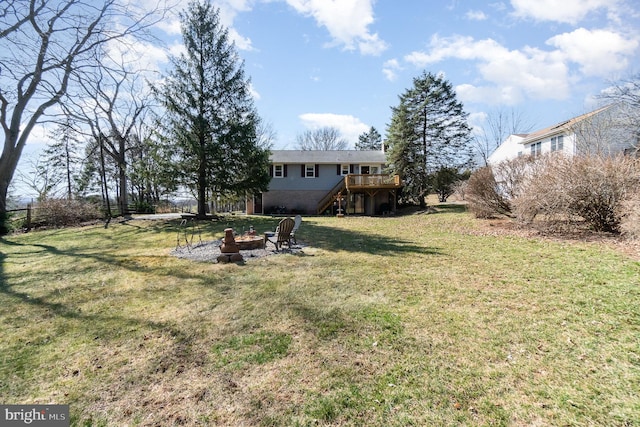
410,320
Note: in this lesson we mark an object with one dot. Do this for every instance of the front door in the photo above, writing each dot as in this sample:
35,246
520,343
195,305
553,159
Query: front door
257,204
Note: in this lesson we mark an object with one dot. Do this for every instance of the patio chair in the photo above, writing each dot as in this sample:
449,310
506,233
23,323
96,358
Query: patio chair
282,234
297,221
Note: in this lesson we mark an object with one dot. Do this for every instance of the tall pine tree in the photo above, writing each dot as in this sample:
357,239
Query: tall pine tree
428,131
210,118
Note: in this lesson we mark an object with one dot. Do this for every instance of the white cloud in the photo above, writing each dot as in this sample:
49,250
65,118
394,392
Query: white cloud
349,126
510,76
493,95
598,52
476,121
347,22
567,11
476,15
229,9
390,69
146,56
171,26
254,93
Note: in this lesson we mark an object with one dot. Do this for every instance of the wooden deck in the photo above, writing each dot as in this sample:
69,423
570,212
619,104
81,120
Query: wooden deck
369,182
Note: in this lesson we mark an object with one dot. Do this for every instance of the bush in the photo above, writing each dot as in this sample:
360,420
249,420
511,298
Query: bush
491,190
630,224
601,191
62,212
483,195
589,188
143,207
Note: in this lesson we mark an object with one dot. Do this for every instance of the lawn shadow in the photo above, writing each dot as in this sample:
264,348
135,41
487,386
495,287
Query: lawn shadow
65,317
339,239
452,208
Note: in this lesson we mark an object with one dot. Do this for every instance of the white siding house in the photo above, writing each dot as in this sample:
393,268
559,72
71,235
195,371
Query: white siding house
601,131
510,148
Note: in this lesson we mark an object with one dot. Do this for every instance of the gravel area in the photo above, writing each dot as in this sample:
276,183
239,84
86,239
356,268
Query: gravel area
210,250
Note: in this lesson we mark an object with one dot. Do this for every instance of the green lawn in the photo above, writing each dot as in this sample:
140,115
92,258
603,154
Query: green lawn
412,320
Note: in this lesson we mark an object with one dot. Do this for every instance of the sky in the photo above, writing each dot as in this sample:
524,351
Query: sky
344,63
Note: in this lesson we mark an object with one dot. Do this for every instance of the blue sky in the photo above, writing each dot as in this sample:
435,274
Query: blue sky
343,63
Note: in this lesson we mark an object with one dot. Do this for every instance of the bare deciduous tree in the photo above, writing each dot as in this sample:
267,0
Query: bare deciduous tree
325,138
605,131
44,179
626,93
46,47
113,105
499,124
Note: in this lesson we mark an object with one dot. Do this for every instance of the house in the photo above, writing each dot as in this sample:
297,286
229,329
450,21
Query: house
602,131
335,181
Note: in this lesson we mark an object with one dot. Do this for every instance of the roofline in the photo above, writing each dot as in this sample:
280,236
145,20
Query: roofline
562,126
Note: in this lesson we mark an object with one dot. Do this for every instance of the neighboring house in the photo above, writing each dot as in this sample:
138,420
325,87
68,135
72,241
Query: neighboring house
510,148
604,131
311,182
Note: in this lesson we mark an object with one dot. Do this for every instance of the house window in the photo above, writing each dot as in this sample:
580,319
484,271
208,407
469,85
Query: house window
344,170
310,171
278,171
536,149
557,143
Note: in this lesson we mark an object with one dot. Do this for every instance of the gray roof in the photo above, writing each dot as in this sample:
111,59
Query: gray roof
327,157
562,127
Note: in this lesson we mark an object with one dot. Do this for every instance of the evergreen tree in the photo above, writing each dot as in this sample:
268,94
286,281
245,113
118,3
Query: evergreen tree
428,131
63,156
210,117
371,140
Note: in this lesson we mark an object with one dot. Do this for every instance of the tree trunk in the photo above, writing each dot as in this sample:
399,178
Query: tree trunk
202,181
8,163
103,178
122,175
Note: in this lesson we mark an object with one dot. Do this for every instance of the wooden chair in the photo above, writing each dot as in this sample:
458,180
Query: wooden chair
282,234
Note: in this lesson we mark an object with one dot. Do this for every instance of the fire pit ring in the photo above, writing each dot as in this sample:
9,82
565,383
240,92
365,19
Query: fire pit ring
249,242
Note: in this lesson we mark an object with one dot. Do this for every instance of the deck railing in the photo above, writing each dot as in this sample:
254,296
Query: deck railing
373,180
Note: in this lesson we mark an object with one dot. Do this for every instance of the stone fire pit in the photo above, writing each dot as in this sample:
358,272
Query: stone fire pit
249,242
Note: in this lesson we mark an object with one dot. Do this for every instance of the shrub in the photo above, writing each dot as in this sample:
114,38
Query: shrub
590,188
483,195
445,180
491,190
62,212
143,207
630,224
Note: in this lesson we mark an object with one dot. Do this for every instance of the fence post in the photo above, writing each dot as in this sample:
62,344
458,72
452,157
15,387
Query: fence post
28,223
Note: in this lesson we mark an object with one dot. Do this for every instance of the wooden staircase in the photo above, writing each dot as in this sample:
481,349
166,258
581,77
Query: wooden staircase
327,201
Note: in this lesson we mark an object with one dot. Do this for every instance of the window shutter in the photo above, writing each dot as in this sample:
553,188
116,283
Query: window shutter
338,169
317,174
352,168
271,171
284,172
302,170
